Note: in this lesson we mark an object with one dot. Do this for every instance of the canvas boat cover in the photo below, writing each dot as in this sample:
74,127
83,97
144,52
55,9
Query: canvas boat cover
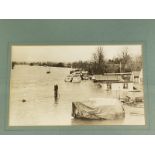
98,108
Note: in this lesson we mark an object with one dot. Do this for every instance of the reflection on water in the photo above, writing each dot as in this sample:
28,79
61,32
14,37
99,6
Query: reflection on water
33,84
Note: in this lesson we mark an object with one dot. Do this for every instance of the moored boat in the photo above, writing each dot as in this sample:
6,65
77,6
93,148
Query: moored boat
69,78
76,79
98,108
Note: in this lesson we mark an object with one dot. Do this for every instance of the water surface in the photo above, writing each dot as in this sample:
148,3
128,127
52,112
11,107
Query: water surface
36,87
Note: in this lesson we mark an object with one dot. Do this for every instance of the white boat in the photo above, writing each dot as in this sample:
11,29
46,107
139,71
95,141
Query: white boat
76,79
76,73
85,77
93,78
69,78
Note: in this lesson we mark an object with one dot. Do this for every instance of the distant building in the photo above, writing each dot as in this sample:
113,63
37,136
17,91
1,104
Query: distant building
107,78
114,81
141,76
137,76
123,86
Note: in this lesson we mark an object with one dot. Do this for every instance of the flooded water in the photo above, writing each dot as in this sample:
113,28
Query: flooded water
36,87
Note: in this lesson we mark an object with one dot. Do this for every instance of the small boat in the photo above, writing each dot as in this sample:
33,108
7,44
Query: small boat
69,78
85,77
76,79
76,74
74,71
93,78
48,72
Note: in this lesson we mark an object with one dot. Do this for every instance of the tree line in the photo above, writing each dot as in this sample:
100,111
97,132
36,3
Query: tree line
49,64
98,64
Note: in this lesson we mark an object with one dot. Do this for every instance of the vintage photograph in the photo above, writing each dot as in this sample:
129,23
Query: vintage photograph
66,85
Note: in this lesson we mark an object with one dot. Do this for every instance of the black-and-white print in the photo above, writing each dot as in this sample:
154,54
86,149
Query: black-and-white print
54,85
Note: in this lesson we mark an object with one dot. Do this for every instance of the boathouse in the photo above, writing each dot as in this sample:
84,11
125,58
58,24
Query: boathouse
113,82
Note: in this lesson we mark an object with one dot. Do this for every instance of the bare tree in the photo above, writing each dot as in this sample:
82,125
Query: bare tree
98,61
125,60
137,63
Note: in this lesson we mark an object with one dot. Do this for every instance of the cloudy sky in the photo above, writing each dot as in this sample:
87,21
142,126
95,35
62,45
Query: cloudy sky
67,53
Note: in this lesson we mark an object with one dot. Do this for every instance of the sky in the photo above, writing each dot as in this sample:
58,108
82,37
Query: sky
68,53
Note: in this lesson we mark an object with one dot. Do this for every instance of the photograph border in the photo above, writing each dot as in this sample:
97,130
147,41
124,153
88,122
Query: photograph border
73,31
107,127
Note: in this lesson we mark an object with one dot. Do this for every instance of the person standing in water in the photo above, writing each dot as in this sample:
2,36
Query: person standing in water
56,92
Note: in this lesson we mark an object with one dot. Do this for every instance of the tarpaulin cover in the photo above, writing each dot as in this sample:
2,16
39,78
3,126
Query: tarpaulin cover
98,108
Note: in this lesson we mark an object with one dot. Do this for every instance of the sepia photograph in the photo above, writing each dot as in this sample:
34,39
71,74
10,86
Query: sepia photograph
67,85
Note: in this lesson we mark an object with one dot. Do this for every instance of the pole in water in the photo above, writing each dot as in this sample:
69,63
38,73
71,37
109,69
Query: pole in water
56,92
